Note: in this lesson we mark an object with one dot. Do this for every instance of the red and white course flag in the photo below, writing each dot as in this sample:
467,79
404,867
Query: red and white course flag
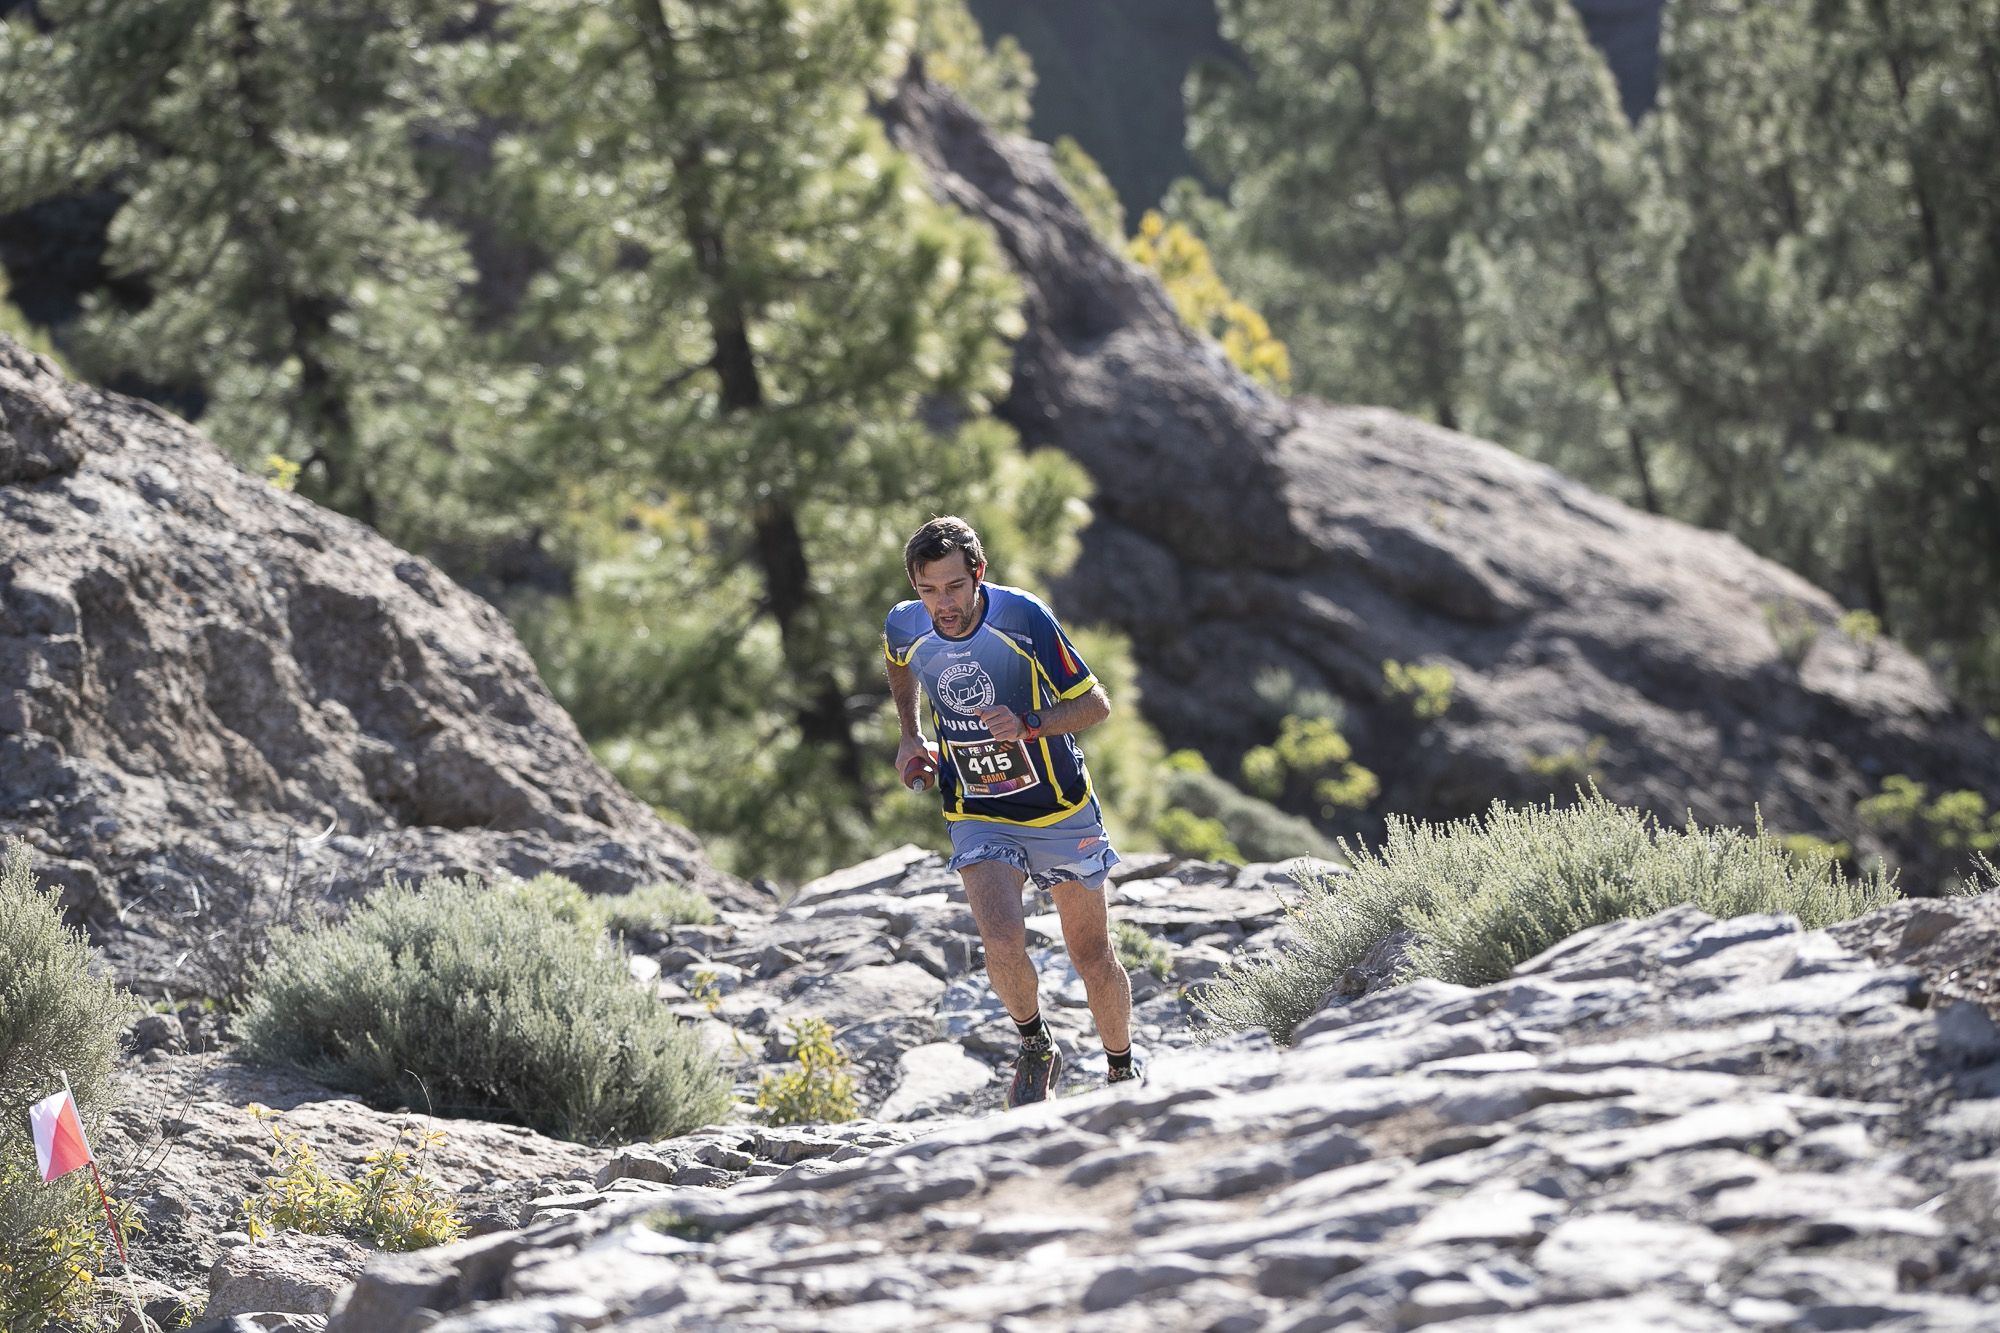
59,1143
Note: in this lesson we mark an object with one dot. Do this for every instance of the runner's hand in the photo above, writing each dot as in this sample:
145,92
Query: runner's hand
911,747
1003,724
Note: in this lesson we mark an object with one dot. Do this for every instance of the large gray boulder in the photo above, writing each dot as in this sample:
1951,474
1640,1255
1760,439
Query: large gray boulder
1237,533
197,667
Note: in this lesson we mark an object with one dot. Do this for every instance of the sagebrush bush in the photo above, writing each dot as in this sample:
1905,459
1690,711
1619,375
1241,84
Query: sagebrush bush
652,907
55,1019
1481,896
474,1002
656,908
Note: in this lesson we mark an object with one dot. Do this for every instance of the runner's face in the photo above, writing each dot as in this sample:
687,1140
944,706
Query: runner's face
950,592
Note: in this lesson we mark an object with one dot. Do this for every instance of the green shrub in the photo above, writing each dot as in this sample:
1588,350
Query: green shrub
394,1204
1563,771
1426,690
656,908
1138,950
820,1091
1259,830
55,1019
1279,696
489,1002
1808,850
1185,833
1310,761
1481,896
1957,821
1354,789
652,907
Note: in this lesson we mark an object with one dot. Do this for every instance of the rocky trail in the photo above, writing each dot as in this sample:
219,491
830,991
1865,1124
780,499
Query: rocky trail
1678,1123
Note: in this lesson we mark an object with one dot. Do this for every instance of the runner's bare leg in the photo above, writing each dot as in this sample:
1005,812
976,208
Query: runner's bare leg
993,892
1086,928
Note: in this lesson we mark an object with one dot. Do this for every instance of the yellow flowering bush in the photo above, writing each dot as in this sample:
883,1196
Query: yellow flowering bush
393,1203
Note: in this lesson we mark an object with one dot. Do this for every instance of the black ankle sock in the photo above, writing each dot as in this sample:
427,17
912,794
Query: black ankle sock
1121,1061
1034,1027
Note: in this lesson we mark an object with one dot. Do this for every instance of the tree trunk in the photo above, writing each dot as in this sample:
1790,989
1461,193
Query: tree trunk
821,708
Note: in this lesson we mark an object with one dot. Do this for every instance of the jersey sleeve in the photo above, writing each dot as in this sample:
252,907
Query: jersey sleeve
898,637
1056,655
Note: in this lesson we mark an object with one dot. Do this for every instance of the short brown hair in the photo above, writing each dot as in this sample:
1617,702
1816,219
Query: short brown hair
939,538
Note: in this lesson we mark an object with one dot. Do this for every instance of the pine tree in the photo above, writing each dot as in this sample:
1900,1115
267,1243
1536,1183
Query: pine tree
1930,77
1829,346
997,81
1342,146
1564,265
767,354
275,212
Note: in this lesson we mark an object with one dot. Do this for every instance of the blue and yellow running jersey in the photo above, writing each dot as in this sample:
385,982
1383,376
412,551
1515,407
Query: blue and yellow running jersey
1016,657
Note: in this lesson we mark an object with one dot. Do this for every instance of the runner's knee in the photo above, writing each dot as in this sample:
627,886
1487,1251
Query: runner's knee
1092,951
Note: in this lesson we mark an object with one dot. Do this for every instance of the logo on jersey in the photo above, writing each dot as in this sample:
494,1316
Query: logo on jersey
965,687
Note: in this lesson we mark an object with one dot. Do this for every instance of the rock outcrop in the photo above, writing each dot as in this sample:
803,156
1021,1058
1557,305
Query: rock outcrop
1237,533
196,667
1675,1123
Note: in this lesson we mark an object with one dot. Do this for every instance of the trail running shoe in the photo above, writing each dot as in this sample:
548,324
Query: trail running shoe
1037,1069
1134,1073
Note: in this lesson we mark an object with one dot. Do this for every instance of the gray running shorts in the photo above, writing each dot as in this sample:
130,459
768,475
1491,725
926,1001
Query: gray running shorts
1075,849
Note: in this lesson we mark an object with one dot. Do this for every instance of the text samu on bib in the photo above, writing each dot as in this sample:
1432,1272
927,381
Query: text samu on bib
992,768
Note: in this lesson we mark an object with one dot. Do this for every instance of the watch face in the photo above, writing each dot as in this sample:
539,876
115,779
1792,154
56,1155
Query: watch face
1034,720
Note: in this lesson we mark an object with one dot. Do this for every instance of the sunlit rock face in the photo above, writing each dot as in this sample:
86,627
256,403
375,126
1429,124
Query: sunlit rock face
196,666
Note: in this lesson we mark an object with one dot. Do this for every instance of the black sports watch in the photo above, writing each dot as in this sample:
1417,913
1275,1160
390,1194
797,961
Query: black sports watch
1033,722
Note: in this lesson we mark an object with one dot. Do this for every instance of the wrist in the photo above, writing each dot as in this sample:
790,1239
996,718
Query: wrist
1033,724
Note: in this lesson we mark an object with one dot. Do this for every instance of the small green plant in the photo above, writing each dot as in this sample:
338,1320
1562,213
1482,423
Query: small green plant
1865,628
1310,756
1563,771
1956,822
281,471
1138,950
1280,695
1477,897
1185,833
1355,789
56,1018
705,987
393,1203
667,1222
1186,270
1793,629
1810,851
1425,689
820,1090
494,1003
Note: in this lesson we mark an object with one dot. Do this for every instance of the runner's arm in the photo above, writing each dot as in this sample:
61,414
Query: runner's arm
903,689
1058,719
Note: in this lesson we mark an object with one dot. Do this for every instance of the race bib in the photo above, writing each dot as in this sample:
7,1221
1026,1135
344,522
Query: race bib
992,768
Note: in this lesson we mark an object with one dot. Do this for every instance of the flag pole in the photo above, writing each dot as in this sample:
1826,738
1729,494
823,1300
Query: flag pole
117,1235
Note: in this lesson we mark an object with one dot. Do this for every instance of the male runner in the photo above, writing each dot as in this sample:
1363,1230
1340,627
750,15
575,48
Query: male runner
1008,694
